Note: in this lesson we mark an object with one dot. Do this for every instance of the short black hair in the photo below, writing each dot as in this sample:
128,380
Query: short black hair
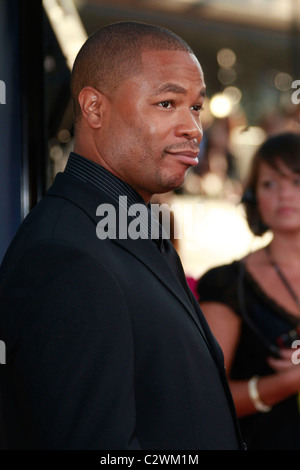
279,148
113,53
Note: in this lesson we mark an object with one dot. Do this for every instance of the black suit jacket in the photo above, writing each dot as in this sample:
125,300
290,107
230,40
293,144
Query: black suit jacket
104,348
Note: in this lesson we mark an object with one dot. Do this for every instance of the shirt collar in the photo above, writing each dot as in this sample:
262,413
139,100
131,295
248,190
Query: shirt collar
90,172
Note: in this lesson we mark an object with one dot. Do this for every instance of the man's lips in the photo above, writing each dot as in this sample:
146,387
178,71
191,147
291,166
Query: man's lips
189,157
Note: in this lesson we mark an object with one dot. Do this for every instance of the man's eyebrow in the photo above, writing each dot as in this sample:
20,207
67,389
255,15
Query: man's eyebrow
174,88
169,87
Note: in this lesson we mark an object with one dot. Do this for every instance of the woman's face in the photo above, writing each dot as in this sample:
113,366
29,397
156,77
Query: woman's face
278,197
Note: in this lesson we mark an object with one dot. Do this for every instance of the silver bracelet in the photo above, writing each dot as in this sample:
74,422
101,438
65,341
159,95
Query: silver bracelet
254,396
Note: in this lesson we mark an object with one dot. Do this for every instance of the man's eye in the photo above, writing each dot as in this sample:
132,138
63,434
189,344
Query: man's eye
165,104
197,108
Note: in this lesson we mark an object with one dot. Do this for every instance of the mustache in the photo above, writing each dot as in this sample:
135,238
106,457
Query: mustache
192,146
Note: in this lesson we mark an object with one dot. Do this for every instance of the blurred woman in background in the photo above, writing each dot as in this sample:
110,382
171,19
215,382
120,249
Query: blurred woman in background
253,305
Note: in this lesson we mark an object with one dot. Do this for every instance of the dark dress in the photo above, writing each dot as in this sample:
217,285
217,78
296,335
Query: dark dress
264,321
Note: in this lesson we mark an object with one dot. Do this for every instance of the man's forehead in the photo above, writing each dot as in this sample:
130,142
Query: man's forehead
173,87
168,57
174,63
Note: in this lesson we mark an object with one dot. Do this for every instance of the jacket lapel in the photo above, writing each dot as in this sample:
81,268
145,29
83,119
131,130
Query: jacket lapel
146,252
88,198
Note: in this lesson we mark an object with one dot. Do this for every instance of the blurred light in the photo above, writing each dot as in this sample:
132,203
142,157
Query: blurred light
226,58
212,184
233,93
226,76
283,81
49,63
244,142
64,136
67,26
220,105
252,135
56,153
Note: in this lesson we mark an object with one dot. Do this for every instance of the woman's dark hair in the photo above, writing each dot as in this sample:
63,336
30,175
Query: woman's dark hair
275,150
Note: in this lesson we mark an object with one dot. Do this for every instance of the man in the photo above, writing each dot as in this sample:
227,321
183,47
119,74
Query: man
106,347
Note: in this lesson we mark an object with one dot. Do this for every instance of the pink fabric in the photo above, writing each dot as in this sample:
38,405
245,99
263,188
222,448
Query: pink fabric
192,285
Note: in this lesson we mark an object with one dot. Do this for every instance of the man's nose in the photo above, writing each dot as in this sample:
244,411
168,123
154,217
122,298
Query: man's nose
189,127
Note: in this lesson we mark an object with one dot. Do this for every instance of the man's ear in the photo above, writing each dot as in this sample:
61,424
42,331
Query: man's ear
91,103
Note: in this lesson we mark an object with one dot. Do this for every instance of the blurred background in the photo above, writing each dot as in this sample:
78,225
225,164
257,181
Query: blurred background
250,53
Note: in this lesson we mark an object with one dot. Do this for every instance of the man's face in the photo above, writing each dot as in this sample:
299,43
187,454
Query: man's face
151,130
